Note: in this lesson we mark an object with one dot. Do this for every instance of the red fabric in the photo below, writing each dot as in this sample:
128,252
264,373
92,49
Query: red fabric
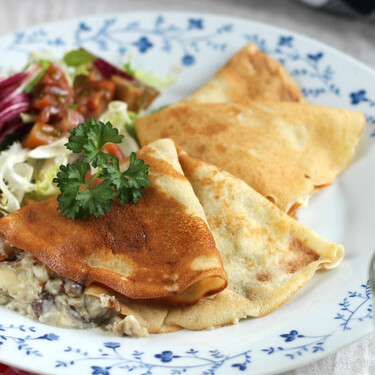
6,370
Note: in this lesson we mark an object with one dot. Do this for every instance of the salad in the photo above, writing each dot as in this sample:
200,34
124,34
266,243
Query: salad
39,106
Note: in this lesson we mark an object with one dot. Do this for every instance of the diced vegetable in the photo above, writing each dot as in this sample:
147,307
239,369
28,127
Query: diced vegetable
128,88
62,117
137,95
41,134
108,70
52,89
93,97
70,119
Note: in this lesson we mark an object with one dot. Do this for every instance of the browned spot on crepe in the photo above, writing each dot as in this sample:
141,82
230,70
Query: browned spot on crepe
158,248
255,240
301,255
262,277
271,146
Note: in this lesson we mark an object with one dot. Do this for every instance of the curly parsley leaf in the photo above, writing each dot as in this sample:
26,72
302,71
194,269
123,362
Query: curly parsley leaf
128,185
79,198
90,137
69,181
96,200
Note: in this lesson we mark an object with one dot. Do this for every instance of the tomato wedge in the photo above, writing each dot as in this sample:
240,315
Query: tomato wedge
114,149
41,134
52,89
93,97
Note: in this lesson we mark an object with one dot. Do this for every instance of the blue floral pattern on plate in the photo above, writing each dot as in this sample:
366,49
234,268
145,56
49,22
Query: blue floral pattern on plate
186,41
312,63
359,97
23,337
132,34
109,357
306,344
134,362
355,308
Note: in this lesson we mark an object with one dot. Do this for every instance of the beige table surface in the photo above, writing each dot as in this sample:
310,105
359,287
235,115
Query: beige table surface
353,36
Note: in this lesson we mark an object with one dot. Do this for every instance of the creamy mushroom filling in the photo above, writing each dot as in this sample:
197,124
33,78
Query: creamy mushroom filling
29,287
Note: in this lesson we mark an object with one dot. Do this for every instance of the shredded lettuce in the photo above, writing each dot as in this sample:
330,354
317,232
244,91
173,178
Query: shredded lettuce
149,78
44,187
18,167
52,156
56,150
82,70
117,113
15,176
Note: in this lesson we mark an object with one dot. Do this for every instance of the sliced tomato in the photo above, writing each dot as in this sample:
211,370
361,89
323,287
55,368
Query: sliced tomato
41,134
50,115
114,149
70,120
52,89
93,97
42,103
135,94
60,117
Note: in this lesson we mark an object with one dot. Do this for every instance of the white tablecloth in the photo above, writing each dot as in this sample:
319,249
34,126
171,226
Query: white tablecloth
355,37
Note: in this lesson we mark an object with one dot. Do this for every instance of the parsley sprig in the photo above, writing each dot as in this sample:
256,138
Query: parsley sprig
79,198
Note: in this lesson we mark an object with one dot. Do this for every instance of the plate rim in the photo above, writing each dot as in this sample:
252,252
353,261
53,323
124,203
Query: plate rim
308,38
234,19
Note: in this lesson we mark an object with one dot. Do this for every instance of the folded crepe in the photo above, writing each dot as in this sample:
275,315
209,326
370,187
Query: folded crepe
268,255
285,151
249,75
160,248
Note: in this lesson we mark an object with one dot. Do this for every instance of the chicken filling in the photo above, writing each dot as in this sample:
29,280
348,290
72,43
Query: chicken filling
29,287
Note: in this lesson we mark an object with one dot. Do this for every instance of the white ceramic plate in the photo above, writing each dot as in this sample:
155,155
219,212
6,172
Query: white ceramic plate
331,311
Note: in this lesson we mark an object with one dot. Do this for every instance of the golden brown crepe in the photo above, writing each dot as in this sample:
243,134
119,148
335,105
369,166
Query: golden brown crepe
249,75
285,151
159,248
268,255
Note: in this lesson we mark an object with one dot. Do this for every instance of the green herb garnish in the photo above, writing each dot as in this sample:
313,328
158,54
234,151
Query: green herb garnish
79,198
78,57
45,64
128,68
